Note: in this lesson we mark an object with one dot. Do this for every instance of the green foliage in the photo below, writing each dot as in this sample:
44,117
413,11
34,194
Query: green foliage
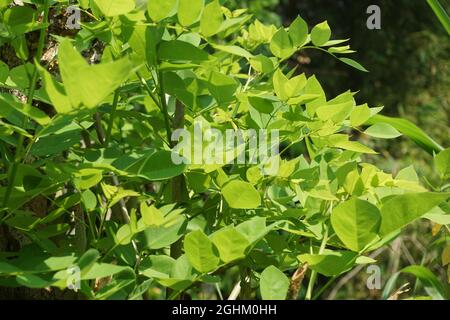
92,141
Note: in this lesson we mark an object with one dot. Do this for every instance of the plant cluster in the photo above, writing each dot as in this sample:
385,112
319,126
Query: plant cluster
92,200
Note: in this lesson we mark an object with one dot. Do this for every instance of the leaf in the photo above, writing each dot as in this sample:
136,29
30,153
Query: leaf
281,45
230,243
212,19
89,85
403,209
102,270
440,13
410,130
87,178
55,91
383,131
34,281
353,146
176,50
442,162
157,166
273,284
261,104
156,266
280,82
320,34
359,115
20,19
151,215
353,64
222,87
255,229
356,223
298,31
158,237
241,195
116,7
161,9
9,105
4,72
295,85
262,64
189,11
237,51
200,252
331,263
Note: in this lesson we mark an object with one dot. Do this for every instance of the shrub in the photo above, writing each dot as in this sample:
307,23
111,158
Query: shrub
91,193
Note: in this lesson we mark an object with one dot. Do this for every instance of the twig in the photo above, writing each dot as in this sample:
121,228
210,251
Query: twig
296,282
403,289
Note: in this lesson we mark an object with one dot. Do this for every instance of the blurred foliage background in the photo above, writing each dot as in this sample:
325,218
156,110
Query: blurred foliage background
409,64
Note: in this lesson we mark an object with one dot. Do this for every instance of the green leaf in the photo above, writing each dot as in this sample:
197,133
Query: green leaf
241,195
4,72
281,45
156,266
353,146
237,51
87,178
262,64
331,263
442,162
34,281
410,130
298,31
102,270
261,104
115,8
222,87
20,76
273,284
9,105
295,85
230,243
440,13
280,82
161,9
189,11
89,85
55,91
20,19
320,34
200,252
157,166
212,19
356,223
360,115
158,237
353,64
254,229
383,131
177,50
151,215
403,209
